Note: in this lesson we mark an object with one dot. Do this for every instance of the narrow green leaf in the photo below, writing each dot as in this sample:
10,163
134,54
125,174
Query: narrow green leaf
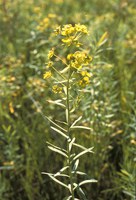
6,167
56,146
83,152
64,175
69,187
80,146
75,186
59,182
64,70
75,165
67,198
61,122
88,181
71,143
80,127
60,132
65,90
76,121
55,124
58,151
65,81
81,193
46,173
103,39
63,169
57,102
81,173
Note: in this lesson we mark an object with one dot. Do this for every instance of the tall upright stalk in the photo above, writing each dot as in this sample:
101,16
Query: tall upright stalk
75,75
68,132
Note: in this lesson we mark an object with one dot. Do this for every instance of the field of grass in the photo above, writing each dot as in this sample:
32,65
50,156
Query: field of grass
107,104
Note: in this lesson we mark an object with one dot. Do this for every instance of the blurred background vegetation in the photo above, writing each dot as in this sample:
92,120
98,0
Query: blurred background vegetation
26,35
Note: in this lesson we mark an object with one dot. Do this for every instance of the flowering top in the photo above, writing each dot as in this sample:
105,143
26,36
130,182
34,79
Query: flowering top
71,34
76,63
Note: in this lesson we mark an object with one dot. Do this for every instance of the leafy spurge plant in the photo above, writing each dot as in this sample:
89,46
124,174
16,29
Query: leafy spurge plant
68,71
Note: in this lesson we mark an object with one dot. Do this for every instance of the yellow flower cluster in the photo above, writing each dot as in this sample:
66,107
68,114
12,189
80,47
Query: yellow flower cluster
46,22
49,64
56,89
69,29
51,53
37,9
85,78
71,33
78,59
47,75
43,24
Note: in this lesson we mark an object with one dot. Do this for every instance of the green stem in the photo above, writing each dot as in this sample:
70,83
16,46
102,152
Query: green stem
68,133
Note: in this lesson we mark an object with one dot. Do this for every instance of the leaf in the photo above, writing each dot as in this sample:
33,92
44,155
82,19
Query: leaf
83,152
76,121
62,170
64,175
57,102
65,90
56,146
55,124
61,122
80,146
81,173
64,70
81,193
67,198
103,39
46,173
71,143
58,151
57,181
60,132
88,181
80,127
75,165
6,167
69,186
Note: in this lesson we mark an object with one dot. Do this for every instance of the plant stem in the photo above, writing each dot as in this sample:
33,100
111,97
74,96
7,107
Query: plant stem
68,133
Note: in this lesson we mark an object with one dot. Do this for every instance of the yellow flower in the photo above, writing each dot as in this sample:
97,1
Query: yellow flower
11,109
51,15
51,53
68,40
37,9
57,30
81,28
56,89
49,64
70,56
45,20
72,33
79,59
47,75
67,30
75,65
85,73
85,81
43,24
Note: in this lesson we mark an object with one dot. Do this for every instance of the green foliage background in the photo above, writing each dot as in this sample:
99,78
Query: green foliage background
109,108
